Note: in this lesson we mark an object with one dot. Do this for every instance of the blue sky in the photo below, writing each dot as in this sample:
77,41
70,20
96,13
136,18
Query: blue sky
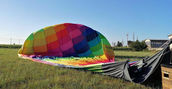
113,18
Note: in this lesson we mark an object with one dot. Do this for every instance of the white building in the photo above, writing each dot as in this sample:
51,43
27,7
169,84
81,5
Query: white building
155,44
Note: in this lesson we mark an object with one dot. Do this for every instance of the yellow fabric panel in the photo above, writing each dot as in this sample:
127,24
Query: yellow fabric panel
40,49
39,42
39,35
103,56
28,47
58,28
49,30
28,51
28,43
20,51
51,38
108,51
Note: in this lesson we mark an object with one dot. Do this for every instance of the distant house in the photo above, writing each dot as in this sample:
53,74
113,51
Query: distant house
155,44
129,42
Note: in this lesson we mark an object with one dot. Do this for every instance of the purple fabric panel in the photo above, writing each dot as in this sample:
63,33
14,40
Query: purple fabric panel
78,39
67,45
69,52
55,52
75,33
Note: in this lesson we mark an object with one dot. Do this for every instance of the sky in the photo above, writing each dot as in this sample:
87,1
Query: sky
147,19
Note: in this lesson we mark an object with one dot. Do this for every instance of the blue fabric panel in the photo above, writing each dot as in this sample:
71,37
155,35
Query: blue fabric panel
91,36
90,31
94,42
86,30
85,54
69,53
78,39
83,30
80,45
82,50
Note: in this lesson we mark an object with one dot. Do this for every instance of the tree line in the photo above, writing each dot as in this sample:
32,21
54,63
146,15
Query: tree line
134,45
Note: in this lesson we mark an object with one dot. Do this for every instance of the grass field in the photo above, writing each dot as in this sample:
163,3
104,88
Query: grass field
131,55
17,73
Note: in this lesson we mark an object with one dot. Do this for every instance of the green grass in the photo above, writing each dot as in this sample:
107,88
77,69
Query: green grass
131,55
17,73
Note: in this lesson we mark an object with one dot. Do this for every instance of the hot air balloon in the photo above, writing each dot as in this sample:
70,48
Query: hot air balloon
67,45
80,47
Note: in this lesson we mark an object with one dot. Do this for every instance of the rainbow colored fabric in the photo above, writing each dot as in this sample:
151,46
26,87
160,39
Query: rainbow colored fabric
67,45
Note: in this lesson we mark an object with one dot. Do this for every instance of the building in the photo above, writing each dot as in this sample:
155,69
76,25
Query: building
129,42
170,36
155,44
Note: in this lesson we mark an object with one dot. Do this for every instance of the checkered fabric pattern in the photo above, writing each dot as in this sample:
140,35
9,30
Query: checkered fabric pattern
65,41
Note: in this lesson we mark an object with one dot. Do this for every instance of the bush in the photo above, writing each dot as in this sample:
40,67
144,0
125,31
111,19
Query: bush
9,46
122,48
119,44
138,46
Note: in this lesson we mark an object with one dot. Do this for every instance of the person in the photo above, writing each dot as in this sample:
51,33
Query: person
170,46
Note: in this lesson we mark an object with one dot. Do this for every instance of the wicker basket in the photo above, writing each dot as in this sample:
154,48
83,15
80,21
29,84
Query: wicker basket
166,76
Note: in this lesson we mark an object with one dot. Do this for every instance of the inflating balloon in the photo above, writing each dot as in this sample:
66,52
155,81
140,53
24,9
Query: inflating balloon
67,45
80,47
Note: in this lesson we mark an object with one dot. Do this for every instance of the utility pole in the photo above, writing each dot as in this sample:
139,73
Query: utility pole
127,39
19,41
133,36
10,41
122,42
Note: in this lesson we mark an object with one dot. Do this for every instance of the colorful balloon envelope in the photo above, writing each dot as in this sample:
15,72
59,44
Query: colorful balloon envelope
67,45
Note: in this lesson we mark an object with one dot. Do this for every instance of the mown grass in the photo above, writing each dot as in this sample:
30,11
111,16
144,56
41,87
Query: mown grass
17,73
132,55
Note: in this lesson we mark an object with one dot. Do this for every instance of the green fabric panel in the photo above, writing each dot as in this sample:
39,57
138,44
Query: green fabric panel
97,70
97,47
30,37
104,40
94,68
91,55
98,52
100,35
41,30
106,47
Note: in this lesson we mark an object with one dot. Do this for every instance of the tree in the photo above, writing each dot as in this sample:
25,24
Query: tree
138,46
119,44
